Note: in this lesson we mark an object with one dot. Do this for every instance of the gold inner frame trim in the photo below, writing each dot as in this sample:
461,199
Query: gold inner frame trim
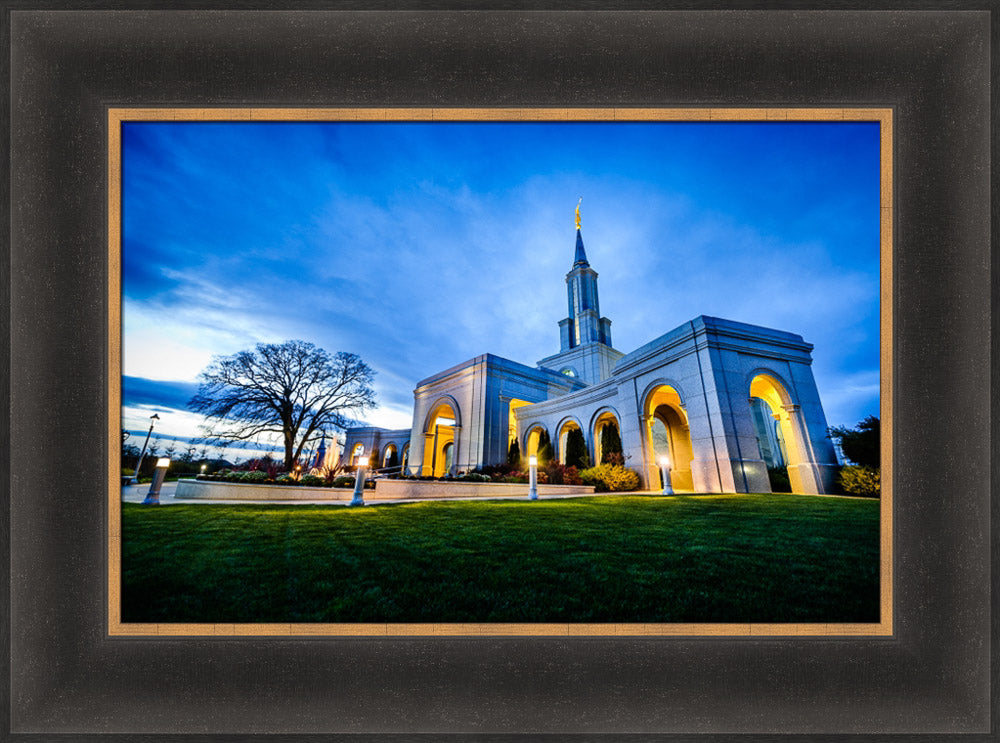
117,116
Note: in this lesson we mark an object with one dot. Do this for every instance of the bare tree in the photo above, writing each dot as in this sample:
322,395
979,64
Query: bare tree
292,389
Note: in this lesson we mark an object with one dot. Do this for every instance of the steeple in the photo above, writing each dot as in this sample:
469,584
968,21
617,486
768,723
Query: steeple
585,348
581,255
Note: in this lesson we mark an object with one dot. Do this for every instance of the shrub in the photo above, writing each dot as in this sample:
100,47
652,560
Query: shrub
287,479
857,480
343,482
778,477
474,477
514,454
576,448
611,443
127,472
254,476
610,477
560,474
312,481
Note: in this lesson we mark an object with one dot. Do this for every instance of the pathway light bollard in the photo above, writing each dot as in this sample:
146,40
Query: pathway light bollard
665,470
533,478
359,482
203,468
159,474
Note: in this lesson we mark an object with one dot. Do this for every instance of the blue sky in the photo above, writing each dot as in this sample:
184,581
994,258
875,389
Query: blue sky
420,245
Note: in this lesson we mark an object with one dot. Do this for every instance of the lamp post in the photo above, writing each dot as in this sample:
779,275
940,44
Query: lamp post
665,470
152,419
532,477
359,482
153,496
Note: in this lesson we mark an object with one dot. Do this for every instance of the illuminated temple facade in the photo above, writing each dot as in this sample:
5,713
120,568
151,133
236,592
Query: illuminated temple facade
722,400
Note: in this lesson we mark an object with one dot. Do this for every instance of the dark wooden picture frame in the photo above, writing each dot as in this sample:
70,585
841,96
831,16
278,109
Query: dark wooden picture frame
932,675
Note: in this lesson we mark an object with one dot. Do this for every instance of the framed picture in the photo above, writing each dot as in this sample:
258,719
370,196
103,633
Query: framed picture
919,667
681,398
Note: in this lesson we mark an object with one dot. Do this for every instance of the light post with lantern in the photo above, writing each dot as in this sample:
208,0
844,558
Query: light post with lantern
152,420
359,482
532,477
665,470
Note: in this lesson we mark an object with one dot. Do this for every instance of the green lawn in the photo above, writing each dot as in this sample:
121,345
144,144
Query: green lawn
718,558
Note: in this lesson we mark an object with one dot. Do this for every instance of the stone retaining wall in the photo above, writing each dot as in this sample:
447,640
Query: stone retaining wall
247,491
384,490
434,489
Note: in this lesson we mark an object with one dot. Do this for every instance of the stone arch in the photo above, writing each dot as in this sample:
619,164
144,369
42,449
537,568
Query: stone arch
434,409
666,382
601,416
404,457
436,462
562,430
668,434
387,453
529,446
787,432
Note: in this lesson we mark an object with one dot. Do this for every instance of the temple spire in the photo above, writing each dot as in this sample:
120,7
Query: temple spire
581,255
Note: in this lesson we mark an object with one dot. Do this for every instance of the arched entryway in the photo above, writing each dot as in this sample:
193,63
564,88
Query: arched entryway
779,432
668,434
404,457
567,429
606,433
390,456
440,429
533,439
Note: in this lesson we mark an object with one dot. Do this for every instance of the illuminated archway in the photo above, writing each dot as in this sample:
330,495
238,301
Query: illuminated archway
564,429
357,450
779,435
668,434
373,459
404,457
513,405
439,433
387,454
532,439
605,417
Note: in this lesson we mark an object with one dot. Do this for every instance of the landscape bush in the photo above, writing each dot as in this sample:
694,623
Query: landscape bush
312,481
560,474
610,478
254,476
858,480
343,482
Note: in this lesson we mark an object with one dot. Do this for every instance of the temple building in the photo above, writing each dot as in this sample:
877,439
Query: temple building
722,400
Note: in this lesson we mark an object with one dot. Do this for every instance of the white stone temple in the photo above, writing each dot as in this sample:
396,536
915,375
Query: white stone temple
722,400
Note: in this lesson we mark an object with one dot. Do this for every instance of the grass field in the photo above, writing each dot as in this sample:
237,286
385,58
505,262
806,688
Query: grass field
717,558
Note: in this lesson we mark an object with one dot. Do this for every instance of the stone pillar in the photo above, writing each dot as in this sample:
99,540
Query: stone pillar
427,468
456,431
650,468
804,474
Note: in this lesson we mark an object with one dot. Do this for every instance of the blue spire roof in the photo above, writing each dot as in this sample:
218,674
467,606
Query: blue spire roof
581,255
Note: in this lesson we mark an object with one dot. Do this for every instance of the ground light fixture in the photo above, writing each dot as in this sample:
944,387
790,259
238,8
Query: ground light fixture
153,496
203,468
533,477
665,470
359,482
